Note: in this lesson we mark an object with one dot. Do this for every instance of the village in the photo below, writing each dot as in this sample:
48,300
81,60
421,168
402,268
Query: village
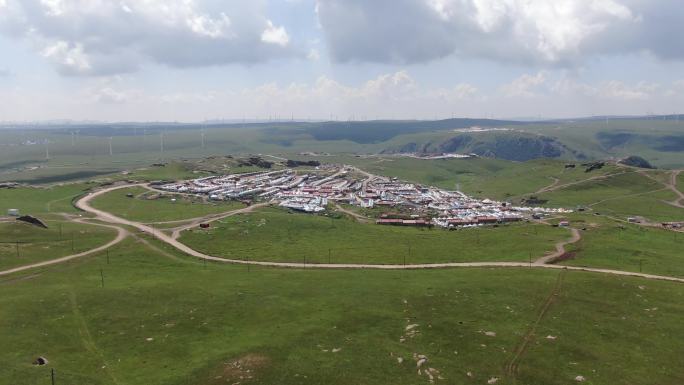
311,191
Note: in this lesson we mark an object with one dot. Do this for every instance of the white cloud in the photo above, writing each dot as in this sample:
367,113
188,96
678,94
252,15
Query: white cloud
110,95
394,95
206,26
69,56
525,86
313,55
621,91
100,37
275,35
522,31
53,7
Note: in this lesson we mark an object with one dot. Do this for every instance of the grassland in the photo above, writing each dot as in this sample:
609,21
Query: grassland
276,235
23,244
622,195
163,321
148,206
88,156
481,177
621,246
40,200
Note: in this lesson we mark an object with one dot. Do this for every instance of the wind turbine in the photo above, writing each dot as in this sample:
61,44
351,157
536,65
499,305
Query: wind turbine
111,153
47,149
202,134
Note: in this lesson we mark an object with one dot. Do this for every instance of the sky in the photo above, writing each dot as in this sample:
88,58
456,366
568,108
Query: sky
196,60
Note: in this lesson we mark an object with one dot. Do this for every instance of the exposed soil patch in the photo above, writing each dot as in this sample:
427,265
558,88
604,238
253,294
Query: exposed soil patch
238,371
566,256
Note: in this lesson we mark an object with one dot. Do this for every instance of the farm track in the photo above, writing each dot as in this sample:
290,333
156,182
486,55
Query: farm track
359,218
560,248
121,235
115,222
549,187
672,186
557,186
87,338
512,367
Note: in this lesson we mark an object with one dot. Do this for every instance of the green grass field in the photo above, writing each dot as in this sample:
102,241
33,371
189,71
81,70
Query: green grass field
622,195
276,235
153,316
161,321
40,200
23,244
142,208
88,156
651,206
621,246
480,177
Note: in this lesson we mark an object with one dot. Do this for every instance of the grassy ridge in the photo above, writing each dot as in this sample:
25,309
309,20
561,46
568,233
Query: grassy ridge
660,142
276,235
159,321
622,195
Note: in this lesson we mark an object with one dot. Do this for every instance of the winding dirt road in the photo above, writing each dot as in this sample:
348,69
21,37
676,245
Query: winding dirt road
669,185
84,204
115,222
560,248
120,236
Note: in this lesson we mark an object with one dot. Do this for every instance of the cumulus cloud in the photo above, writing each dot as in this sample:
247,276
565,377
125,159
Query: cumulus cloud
275,35
525,86
395,95
521,31
97,37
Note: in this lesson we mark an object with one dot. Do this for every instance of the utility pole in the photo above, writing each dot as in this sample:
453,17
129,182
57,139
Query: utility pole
107,256
110,146
102,277
530,259
17,249
52,376
47,150
72,241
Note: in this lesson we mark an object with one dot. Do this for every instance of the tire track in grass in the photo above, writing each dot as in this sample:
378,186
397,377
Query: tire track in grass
513,365
87,338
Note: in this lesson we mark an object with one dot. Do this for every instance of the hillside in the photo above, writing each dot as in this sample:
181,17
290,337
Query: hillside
83,151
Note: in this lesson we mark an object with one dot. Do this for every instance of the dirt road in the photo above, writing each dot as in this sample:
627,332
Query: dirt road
670,185
120,236
114,221
560,248
84,204
359,218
